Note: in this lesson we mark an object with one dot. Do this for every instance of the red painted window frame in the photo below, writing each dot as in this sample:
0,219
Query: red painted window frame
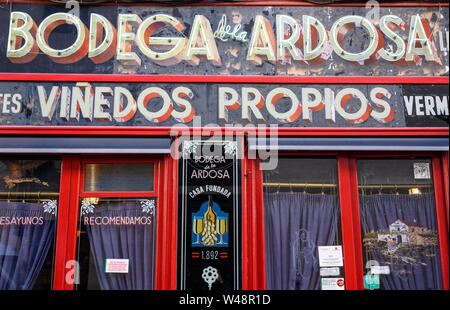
72,177
350,216
352,262
253,256
438,182
347,235
445,176
129,160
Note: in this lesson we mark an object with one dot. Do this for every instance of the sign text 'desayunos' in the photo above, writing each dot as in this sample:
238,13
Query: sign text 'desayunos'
303,39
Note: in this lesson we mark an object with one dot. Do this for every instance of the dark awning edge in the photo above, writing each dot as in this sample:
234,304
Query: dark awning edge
85,145
349,144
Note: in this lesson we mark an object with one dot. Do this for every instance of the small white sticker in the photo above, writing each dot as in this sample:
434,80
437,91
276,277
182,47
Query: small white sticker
333,284
380,270
330,256
329,271
116,265
422,171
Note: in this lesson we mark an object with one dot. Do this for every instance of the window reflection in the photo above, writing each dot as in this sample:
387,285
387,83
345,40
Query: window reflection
117,243
119,177
29,191
398,222
301,210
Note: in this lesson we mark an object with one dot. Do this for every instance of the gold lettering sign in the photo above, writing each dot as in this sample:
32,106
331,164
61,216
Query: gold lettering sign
303,39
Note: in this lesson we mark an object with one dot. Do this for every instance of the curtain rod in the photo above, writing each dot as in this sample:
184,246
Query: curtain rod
319,185
28,194
298,185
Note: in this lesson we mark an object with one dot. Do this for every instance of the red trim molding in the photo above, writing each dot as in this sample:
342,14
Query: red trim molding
351,231
71,223
256,3
440,216
253,245
62,77
445,166
165,131
59,278
166,241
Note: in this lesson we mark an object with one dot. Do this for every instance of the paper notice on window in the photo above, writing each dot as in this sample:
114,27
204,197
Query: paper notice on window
332,284
422,171
329,271
380,270
116,265
330,256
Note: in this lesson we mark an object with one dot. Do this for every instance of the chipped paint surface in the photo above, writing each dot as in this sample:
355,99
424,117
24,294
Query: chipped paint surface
424,106
233,53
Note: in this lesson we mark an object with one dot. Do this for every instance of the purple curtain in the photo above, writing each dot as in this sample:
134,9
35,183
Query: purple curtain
412,255
26,235
132,242
295,225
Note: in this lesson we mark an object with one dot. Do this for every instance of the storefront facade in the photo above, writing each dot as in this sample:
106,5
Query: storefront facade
224,146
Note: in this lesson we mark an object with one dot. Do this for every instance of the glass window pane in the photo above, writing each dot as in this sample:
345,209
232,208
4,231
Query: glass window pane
29,193
302,219
398,224
116,244
119,177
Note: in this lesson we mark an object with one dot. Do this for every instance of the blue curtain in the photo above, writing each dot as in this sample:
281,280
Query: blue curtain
295,225
23,247
413,257
132,242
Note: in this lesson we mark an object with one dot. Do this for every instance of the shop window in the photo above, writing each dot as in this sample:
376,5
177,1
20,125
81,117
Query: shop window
302,225
398,224
117,227
118,177
29,195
